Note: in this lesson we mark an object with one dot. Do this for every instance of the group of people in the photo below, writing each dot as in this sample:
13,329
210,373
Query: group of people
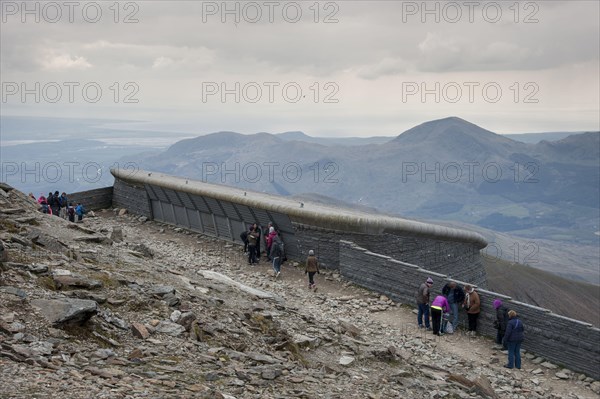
59,205
274,251
507,323
274,248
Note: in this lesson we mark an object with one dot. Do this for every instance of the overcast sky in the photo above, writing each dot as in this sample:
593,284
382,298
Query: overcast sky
360,68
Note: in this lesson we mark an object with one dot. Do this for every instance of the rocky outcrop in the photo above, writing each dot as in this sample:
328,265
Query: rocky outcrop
194,320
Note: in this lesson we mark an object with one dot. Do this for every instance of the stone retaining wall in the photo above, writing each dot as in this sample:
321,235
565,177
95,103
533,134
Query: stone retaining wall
567,342
100,198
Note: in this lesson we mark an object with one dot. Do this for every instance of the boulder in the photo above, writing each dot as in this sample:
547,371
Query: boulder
169,328
346,360
75,281
161,290
139,330
143,251
37,269
66,311
484,388
186,320
14,291
116,234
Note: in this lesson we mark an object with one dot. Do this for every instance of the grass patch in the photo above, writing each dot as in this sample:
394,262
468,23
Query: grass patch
138,306
9,225
106,280
47,282
264,325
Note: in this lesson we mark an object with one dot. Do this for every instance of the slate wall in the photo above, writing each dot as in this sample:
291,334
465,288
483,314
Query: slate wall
100,198
131,196
567,342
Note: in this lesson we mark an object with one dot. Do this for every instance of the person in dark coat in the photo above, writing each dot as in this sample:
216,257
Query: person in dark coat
252,239
71,212
276,255
512,339
257,233
455,296
501,321
244,238
423,297
56,206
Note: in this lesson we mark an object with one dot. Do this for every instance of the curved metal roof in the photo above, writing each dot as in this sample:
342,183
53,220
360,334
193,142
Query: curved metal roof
327,217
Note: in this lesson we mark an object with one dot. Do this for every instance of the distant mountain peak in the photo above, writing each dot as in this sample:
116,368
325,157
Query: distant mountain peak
295,135
450,129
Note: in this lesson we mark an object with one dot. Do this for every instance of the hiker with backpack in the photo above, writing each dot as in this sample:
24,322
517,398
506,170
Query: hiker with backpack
277,253
312,268
63,203
472,305
500,323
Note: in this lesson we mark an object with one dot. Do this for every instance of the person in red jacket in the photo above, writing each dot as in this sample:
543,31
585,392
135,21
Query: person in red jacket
270,237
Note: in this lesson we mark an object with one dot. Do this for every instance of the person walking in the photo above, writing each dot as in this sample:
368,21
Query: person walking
276,254
258,234
312,267
500,323
270,237
455,296
439,306
472,305
64,202
512,339
423,303
252,237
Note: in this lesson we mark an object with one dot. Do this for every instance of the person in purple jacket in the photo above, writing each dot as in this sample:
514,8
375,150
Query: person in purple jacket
439,306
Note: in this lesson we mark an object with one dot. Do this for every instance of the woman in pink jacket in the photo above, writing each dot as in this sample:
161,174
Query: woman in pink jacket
439,306
270,238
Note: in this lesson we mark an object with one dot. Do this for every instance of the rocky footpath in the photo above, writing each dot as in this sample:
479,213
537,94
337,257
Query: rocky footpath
122,307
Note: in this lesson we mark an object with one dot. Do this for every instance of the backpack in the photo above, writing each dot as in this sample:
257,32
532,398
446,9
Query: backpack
244,236
71,211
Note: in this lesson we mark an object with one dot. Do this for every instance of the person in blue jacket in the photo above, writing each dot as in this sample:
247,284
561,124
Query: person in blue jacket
79,210
513,337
